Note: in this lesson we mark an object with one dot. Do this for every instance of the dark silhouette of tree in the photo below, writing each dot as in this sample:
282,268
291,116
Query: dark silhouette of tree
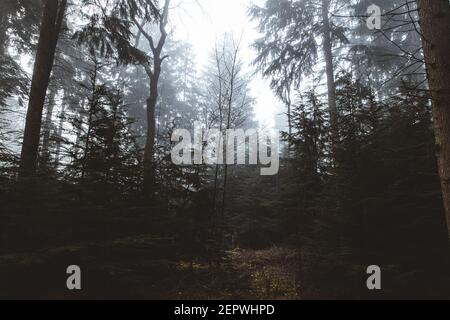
435,26
289,48
52,19
153,69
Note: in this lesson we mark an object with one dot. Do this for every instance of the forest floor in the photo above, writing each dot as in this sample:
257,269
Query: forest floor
141,268
245,274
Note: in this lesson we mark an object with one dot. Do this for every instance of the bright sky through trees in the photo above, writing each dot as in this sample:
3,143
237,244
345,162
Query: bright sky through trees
203,22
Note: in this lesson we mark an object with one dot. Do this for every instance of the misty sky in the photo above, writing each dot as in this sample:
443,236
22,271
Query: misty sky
202,23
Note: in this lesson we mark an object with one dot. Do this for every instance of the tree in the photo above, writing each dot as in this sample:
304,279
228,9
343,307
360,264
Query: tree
383,179
105,155
435,27
328,54
384,58
153,71
52,19
228,104
110,31
289,48
18,19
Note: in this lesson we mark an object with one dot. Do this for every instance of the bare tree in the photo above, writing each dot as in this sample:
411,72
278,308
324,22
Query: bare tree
227,88
220,78
233,72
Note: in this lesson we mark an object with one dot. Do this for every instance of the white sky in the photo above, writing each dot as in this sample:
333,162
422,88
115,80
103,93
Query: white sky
202,23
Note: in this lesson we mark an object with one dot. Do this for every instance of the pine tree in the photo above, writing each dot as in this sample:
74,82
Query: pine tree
289,50
106,154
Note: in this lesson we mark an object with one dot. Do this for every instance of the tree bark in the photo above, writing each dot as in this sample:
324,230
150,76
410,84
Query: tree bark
435,27
220,106
48,125
230,105
93,106
149,151
154,75
60,132
50,29
3,36
328,54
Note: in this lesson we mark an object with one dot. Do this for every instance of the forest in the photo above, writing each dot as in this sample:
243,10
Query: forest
94,93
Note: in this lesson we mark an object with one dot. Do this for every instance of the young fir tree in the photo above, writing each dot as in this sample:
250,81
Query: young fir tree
105,156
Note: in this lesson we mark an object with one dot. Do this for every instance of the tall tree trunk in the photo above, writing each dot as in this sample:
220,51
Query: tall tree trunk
93,107
48,124
232,88
289,112
288,101
220,106
59,136
328,54
435,25
149,151
3,36
289,116
154,75
50,29
61,129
